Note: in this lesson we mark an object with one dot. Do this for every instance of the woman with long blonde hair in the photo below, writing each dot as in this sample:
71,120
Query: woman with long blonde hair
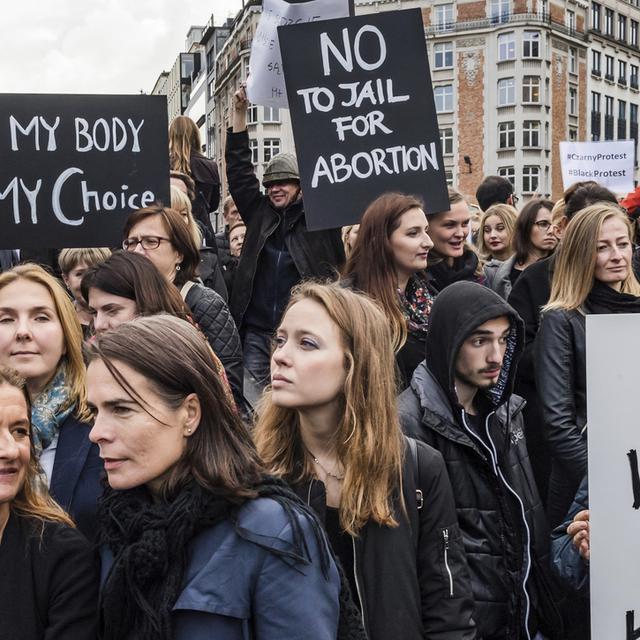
185,155
329,426
49,585
495,238
592,274
41,338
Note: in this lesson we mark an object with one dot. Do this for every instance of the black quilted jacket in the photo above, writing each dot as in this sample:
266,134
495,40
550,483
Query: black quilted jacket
212,316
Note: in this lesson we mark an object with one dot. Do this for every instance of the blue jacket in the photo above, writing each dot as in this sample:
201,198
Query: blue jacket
76,479
235,589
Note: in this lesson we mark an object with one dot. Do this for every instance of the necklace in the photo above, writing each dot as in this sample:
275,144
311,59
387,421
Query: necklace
329,473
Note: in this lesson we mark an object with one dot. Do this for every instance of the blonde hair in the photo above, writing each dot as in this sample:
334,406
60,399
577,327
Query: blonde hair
345,239
575,264
69,259
558,212
184,139
368,438
180,202
72,358
507,215
33,499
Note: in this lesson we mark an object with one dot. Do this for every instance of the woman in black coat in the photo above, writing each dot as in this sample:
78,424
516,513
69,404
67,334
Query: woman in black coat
48,571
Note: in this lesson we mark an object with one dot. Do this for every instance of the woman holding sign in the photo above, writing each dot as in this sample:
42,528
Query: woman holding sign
387,263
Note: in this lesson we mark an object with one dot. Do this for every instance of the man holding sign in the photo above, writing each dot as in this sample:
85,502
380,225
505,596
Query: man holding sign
278,250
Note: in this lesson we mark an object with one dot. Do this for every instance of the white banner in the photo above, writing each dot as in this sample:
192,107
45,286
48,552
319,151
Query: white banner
609,163
613,352
265,84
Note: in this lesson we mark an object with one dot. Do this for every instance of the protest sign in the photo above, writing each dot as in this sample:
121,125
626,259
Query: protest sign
608,163
265,84
614,477
73,166
363,115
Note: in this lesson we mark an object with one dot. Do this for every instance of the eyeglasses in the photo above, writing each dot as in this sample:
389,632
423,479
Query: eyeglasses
544,225
148,243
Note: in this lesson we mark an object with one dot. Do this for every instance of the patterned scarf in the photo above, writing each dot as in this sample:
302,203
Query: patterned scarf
416,303
50,409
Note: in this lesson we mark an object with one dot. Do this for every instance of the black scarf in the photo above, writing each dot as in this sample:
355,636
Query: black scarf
150,541
441,275
604,299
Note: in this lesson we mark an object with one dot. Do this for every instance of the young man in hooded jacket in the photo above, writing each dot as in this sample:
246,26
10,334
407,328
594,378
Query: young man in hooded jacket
460,402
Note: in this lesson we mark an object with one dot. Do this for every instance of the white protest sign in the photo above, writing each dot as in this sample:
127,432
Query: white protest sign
265,84
608,163
613,350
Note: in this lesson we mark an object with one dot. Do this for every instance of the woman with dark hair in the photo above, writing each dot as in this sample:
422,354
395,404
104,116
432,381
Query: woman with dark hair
387,262
329,425
197,541
161,235
49,576
185,156
533,239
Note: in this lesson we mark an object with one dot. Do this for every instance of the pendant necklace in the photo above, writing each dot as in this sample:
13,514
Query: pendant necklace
327,472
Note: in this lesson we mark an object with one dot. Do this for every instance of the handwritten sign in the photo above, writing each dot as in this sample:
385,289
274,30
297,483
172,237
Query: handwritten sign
614,483
363,115
608,163
265,84
72,167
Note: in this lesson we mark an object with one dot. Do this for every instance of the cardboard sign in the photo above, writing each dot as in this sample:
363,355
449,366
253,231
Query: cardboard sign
613,351
72,167
363,115
265,84
608,163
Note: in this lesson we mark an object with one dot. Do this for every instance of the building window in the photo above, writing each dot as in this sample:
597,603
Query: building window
608,106
271,148
633,113
443,96
608,21
448,176
622,72
595,16
596,62
633,32
499,11
253,147
506,135
530,89
573,101
509,173
506,47
530,133
608,68
446,140
530,179
252,114
622,110
531,44
506,92
622,27
633,76
573,134
443,17
271,114
573,60
570,20
443,55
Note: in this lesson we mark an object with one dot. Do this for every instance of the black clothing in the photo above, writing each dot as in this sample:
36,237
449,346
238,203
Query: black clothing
408,590
211,272
211,314
441,275
342,545
48,584
278,250
514,274
499,509
604,299
8,259
204,172
409,356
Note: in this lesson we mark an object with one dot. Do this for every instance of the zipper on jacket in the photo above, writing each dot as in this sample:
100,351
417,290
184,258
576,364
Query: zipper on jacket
445,535
355,579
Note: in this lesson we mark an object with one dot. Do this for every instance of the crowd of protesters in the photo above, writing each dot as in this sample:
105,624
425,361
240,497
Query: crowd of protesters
269,433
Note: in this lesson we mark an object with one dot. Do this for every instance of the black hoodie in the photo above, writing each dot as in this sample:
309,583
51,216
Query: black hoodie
499,510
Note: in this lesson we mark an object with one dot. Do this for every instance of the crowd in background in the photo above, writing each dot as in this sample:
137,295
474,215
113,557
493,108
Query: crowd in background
372,432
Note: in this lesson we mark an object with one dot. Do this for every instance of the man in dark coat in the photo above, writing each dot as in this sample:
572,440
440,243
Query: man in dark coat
460,402
278,251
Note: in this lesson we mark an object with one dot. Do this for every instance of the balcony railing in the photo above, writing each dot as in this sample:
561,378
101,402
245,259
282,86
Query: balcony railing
622,129
596,121
608,127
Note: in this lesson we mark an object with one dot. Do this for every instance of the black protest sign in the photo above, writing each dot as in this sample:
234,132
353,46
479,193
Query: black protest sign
73,166
363,115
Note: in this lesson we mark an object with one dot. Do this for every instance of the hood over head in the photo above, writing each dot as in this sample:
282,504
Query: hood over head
457,311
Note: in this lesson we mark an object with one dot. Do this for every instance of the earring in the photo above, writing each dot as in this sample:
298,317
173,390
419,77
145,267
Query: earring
188,430
177,267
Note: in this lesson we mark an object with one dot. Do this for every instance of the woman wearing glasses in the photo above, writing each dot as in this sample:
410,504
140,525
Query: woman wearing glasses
160,234
533,239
